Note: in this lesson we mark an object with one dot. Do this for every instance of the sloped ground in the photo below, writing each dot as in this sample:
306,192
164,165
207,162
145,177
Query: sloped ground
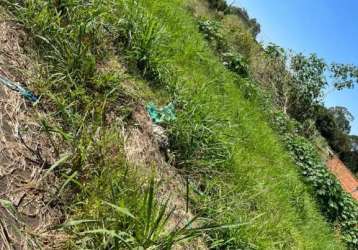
344,175
29,206
263,178
142,150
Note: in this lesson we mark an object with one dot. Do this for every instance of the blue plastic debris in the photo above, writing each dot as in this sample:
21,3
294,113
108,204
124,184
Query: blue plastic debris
161,115
18,88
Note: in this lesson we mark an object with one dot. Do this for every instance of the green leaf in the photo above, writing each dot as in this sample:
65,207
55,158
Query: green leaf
121,210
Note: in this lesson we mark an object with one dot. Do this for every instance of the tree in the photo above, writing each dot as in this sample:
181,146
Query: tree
343,118
301,81
326,124
334,125
345,75
351,157
219,5
308,83
354,139
298,85
272,73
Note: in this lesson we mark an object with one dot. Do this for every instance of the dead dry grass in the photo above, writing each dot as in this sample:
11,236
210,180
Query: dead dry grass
29,204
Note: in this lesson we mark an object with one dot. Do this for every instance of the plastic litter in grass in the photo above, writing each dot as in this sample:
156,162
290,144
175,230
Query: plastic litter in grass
18,88
161,115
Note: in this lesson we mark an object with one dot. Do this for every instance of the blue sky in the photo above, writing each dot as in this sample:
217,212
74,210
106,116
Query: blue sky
326,27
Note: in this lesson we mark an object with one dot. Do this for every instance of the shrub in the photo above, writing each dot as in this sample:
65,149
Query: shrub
236,63
211,32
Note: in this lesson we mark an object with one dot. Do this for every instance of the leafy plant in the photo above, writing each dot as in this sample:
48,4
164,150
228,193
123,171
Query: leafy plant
236,63
338,206
211,32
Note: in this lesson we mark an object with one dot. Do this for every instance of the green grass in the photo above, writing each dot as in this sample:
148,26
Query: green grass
239,171
115,212
219,130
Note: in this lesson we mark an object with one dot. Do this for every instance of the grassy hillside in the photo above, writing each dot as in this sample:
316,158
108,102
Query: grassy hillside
268,82
239,172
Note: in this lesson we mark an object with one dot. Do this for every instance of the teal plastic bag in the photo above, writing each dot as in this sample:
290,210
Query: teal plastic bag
15,86
161,115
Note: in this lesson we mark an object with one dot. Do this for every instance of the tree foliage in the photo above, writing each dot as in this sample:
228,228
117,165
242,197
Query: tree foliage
308,84
305,87
329,123
343,118
300,85
334,125
346,75
354,139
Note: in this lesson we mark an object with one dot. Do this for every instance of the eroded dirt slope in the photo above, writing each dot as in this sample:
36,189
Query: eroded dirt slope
344,175
29,207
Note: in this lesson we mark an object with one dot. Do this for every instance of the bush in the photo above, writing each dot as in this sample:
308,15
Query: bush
236,63
211,31
221,5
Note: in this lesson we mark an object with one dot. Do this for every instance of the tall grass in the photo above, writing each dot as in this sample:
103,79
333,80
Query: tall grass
240,173
120,214
220,136
71,42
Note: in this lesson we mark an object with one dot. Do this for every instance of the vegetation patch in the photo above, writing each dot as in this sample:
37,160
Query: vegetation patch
31,194
306,71
240,178
338,206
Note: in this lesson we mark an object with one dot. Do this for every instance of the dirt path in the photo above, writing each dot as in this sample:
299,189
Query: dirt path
344,175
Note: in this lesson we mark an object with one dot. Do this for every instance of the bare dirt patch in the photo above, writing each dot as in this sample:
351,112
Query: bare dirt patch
29,206
344,175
